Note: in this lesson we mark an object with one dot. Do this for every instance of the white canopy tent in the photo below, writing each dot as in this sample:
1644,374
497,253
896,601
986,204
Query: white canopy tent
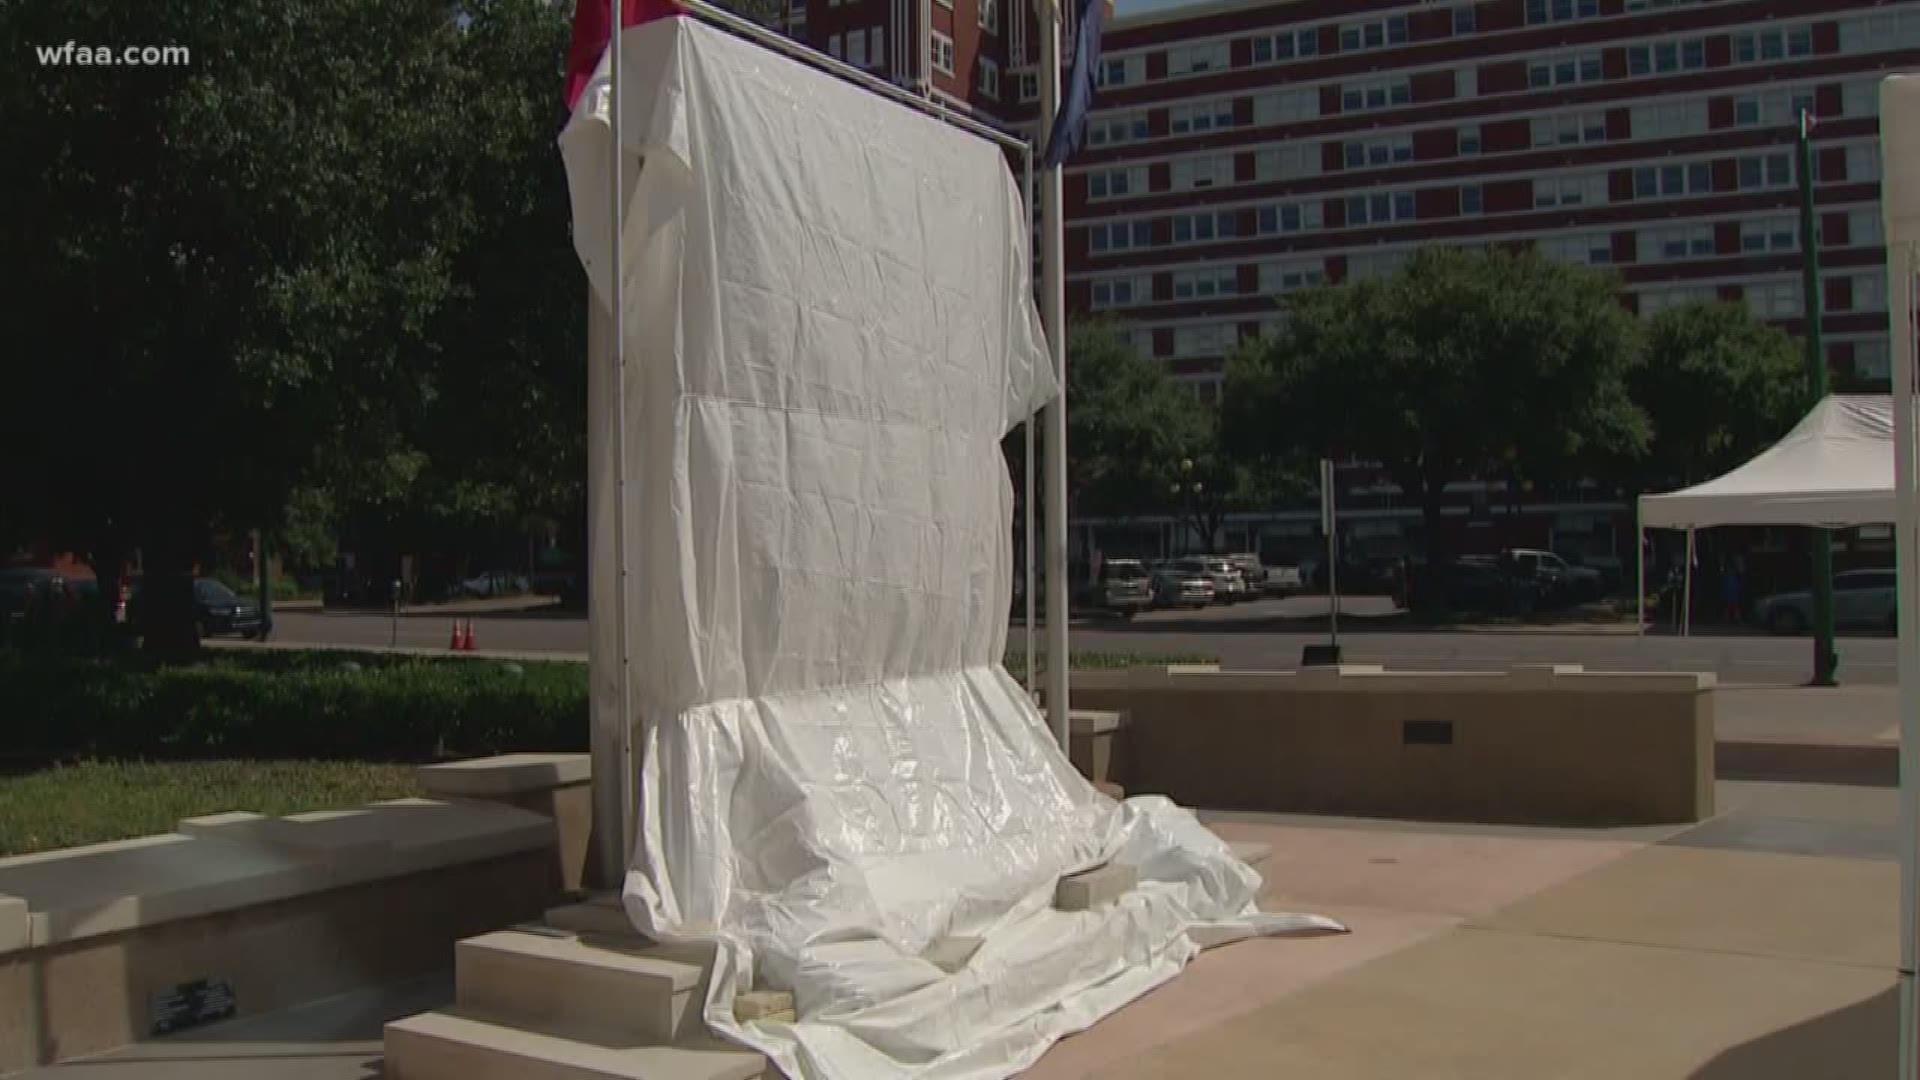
1834,470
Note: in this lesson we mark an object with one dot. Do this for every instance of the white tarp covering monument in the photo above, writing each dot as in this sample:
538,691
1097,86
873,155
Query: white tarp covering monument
829,326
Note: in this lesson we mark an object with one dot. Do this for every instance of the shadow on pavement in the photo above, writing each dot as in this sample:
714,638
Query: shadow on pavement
1860,1041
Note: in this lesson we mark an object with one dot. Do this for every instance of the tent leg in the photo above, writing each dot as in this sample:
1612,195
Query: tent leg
1686,591
1640,580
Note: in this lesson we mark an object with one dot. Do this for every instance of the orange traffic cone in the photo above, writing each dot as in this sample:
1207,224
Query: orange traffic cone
453,643
467,645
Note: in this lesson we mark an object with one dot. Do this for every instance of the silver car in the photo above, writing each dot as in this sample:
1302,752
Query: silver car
1228,586
1174,586
1861,598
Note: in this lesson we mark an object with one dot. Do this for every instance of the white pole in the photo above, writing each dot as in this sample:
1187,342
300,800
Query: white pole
613,761
1029,534
1053,304
1901,270
1686,590
1330,524
1639,575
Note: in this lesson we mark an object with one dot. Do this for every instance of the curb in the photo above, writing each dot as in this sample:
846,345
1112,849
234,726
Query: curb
1867,764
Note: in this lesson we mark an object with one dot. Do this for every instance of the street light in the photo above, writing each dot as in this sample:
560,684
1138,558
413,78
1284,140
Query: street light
1186,490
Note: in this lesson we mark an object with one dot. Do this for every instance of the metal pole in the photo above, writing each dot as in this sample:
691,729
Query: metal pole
613,761
265,583
1029,532
1330,523
1686,590
1826,662
1901,271
1053,314
1640,578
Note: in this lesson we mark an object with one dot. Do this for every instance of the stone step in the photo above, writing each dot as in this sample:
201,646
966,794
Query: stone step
1251,852
592,989
454,1045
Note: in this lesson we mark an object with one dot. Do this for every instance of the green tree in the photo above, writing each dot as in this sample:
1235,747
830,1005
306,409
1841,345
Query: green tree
1718,386
1462,364
248,274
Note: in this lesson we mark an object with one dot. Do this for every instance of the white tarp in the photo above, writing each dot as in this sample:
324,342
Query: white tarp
829,326
1834,469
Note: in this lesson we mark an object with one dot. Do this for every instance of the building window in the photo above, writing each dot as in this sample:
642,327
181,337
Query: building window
1200,228
989,79
1122,292
1769,234
857,48
990,16
1670,121
1376,34
1781,109
1654,301
1870,291
1119,235
1470,139
833,46
1206,339
876,51
1376,94
1860,98
1776,299
1675,243
1286,162
1116,183
1564,70
1636,6
1759,171
1283,106
1880,32
1760,46
1864,228
1368,264
1030,91
1463,19
1870,360
942,53
1380,209
1583,189
1108,130
1388,150
1202,284
1569,129
1197,59
1663,57
1201,116
1286,277
1586,249
1667,181
1473,199
1285,45
1863,161
1191,173
1546,11
1290,218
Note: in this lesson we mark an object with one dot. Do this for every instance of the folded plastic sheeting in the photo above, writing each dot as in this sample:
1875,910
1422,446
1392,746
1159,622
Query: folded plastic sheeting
829,327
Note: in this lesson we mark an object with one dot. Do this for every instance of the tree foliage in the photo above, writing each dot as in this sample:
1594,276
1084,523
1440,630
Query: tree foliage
1718,386
1462,364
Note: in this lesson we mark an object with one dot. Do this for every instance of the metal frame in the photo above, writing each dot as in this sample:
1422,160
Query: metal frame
615,802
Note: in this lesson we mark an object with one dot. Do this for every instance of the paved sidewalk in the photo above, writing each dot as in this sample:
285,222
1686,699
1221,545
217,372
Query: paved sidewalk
1758,946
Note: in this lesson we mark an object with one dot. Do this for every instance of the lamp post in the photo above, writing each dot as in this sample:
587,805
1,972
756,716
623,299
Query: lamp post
1826,662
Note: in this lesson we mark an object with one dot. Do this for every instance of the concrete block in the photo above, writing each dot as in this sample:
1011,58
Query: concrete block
950,954
504,774
1094,888
455,1046
1251,852
562,985
16,924
764,1005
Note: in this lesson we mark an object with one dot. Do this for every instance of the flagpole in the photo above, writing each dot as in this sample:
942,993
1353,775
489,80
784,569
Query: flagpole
1053,316
613,759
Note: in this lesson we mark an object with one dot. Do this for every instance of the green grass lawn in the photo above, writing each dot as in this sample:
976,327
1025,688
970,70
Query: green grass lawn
90,802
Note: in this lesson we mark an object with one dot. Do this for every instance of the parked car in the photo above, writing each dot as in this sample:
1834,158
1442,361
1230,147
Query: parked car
1861,598
1177,586
217,610
1471,585
1559,580
1283,581
1124,588
18,585
1228,586
495,583
1251,571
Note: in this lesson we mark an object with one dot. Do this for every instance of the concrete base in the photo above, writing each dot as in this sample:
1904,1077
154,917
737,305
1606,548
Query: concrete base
1094,888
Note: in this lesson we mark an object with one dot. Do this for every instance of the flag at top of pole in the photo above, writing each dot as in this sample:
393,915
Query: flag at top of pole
1070,125
592,23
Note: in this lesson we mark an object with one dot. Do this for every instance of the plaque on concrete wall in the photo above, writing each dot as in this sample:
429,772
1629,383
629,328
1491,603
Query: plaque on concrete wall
189,1005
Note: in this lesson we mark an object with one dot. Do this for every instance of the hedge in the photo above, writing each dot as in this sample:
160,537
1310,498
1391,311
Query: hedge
313,704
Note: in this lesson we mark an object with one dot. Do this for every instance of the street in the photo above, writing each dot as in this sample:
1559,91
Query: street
1266,634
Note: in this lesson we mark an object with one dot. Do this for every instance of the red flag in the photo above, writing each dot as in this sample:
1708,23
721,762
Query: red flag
591,19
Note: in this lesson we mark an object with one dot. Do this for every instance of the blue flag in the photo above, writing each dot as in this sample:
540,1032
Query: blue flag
1070,126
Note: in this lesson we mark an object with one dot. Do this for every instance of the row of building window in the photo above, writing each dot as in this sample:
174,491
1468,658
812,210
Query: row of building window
1676,243
863,48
